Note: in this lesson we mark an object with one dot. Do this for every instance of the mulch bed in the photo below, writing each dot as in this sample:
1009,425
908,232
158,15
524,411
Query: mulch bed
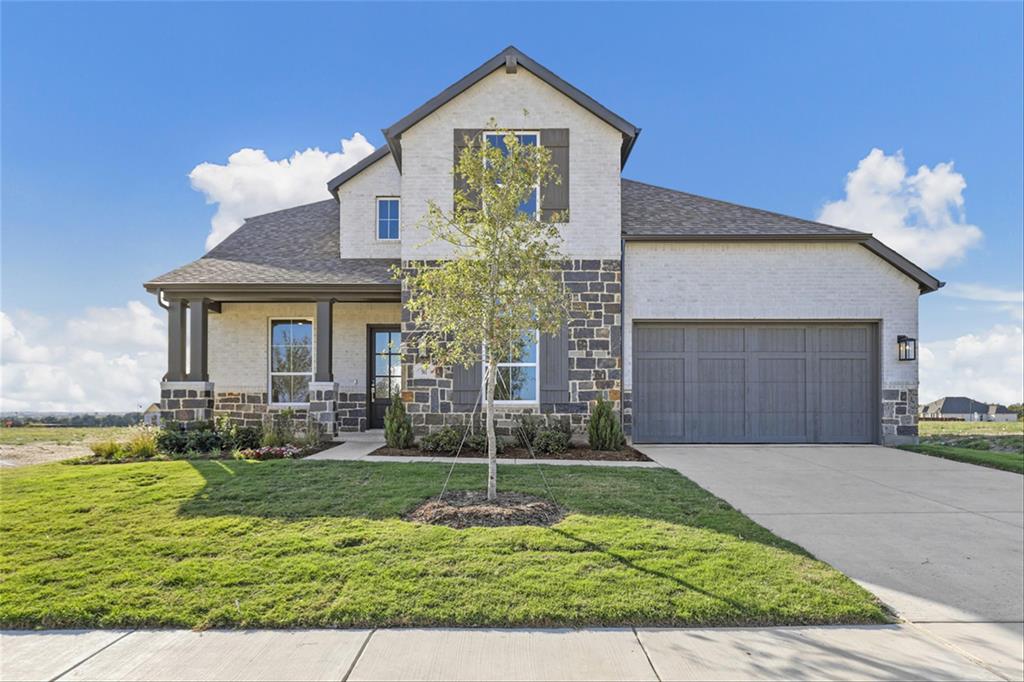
466,509
626,454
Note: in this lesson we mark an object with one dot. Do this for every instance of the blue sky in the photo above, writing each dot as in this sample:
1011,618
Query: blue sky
106,108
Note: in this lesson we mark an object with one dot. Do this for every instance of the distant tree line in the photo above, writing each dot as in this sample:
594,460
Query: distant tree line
1017,408
126,419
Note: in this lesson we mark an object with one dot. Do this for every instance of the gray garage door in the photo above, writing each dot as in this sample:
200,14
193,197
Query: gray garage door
768,383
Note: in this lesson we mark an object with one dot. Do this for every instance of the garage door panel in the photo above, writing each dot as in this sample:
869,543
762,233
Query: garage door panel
754,383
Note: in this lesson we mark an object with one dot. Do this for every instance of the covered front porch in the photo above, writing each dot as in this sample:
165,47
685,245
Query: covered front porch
331,355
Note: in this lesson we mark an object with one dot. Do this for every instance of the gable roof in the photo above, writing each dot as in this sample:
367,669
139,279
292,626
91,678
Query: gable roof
297,245
651,213
510,58
958,405
357,168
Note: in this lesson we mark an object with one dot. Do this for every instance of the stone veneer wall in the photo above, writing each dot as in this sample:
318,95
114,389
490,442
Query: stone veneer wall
595,358
186,401
899,415
248,409
350,411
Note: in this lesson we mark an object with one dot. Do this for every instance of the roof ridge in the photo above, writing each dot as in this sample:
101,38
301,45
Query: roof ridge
745,207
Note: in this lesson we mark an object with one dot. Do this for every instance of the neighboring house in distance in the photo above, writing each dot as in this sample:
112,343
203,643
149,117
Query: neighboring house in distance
704,321
965,409
151,416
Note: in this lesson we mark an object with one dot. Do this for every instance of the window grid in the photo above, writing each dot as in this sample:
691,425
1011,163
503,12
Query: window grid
531,205
527,364
388,209
291,357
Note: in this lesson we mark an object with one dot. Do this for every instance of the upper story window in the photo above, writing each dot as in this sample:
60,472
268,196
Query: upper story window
387,218
517,372
291,361
532,139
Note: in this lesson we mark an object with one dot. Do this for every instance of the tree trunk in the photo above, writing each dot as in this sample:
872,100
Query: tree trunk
492,441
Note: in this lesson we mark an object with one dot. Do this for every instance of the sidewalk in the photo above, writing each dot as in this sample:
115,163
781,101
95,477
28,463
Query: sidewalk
868,652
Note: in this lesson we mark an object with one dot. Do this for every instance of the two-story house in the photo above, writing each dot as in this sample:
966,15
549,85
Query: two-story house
704,321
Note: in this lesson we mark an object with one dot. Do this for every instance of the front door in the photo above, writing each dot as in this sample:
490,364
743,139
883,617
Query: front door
384,371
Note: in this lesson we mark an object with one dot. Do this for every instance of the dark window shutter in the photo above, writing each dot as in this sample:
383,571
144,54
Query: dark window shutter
554,367
461,135
555,198
466,385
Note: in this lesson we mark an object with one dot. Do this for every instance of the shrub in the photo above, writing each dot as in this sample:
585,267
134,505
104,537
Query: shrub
108,450
527,428
551,441
447,439
278,428
604,430
203,441
246,437
478,442
171,439
313,438
142,443
397,428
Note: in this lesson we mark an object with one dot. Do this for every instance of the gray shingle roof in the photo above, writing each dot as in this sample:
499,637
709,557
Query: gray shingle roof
652,211
959,405
293,246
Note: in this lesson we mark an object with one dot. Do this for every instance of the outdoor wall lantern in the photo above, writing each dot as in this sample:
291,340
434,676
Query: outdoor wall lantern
907,346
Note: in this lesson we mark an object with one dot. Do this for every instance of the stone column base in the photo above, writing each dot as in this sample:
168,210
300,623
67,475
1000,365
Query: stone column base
186,402
322,397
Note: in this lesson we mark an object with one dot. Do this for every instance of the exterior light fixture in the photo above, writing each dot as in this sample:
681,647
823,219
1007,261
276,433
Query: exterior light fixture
907,347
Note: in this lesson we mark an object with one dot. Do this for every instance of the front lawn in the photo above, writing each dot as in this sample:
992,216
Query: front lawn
301,544
1007,461
953,428
62,435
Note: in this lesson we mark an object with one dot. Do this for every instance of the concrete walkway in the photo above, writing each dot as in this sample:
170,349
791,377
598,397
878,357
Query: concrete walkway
940,542
358,446
897,652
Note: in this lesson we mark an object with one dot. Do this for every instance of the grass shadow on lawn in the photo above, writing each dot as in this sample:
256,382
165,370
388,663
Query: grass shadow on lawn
322,544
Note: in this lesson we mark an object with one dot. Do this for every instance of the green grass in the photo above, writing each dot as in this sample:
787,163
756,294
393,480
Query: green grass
927,428
299,543
1007,461
26,435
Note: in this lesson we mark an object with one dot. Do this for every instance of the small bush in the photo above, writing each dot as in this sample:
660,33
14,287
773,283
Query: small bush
245,438
447,439
271,452
551,441
278,428
478,442
604,430
142,443
203,441
171,439
527,428
397,428
107,450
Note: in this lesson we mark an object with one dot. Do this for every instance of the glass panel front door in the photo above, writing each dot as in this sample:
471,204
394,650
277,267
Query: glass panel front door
385,371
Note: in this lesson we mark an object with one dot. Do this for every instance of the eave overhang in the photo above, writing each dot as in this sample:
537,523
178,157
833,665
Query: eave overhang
230,292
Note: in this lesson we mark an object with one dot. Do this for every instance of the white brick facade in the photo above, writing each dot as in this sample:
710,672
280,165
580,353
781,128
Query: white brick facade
239,342
357,201
770,281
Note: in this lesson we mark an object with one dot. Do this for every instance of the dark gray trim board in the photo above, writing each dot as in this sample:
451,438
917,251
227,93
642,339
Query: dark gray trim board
393,133
274,293
377,154
928,283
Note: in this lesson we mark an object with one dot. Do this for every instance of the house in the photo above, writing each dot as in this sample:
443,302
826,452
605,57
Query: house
151,416
959,408
705,321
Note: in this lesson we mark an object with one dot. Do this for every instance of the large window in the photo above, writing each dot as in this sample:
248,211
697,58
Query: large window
517,372
387,218
529,206
291,361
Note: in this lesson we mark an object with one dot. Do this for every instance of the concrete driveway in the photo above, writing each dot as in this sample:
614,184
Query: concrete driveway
940,542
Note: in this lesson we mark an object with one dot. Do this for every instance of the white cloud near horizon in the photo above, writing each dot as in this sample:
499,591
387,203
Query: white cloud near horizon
106,359
251,183
921,215
988,366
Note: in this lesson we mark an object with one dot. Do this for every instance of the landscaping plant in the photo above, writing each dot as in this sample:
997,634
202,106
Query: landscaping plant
502,277
397,428
551,441
447,439
604,429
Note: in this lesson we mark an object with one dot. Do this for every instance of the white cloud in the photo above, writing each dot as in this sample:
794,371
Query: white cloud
1009,301
920,215
252,184
107,359
988,366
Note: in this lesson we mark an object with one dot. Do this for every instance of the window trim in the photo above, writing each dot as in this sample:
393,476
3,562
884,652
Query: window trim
488,134
376,230
270,359
535,364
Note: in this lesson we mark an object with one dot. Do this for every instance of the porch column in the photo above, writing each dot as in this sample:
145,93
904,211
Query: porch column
176,340
324,340
199,309
323,392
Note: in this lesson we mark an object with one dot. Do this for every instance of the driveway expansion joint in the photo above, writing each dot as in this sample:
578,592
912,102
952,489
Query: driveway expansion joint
93,654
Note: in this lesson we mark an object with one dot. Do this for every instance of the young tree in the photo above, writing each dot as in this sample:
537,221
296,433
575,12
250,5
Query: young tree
501,284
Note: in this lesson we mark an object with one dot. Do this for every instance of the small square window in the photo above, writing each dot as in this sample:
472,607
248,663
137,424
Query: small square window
387,218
